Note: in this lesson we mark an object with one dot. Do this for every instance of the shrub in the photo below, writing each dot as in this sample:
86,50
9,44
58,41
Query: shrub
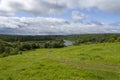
2,49
7,50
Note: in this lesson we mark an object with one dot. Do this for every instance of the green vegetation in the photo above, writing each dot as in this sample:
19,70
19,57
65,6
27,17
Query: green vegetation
85,62
13,48
24,38
93,38
92,57
83,38
15,44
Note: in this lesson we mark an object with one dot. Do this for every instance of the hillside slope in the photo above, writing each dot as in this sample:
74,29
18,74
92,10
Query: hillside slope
85,62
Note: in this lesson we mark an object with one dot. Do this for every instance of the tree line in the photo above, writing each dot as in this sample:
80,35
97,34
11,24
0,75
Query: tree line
13,48
24,38
16,44
92,38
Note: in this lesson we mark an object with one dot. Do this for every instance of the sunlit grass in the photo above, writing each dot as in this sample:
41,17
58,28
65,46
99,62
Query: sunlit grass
85,62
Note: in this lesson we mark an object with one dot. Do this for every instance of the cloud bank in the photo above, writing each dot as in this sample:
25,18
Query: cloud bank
9,24
40,7
52,26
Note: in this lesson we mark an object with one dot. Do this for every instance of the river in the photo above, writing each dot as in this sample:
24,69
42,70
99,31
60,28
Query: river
68,43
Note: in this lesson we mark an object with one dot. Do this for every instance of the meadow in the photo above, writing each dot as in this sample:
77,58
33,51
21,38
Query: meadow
99,61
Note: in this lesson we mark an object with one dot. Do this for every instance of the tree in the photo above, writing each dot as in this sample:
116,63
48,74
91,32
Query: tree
7,50
112,38
2,49
25,46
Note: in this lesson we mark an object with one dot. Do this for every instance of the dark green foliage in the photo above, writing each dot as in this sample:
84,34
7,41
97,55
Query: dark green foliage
25,46
7,50
24,38
15,44
54,44
112,38
118,39
93,38
2,46
13,48
2,49
35,45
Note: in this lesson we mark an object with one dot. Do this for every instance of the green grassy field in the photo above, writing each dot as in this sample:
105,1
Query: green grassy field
85,62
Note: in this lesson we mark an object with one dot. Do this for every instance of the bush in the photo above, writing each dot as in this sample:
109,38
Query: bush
54,44
25,46
14,51
35,45
3,55
8,50
2,49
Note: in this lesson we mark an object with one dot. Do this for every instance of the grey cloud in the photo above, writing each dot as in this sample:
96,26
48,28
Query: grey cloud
109,5
40,7
5,13
51,26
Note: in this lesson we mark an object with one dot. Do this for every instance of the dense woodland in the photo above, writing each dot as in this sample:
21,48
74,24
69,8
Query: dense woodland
15,44
24,38
93,38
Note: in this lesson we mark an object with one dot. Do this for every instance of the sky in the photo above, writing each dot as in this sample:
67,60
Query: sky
59,17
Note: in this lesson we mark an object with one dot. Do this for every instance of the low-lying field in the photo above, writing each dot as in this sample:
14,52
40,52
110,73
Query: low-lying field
85,62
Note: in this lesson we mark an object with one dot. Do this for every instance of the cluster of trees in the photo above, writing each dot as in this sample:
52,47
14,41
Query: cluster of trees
24,38
83,37
15,44
13,48
5,48
101,38
54,44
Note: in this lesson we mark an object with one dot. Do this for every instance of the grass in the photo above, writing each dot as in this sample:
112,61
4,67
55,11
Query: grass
85,62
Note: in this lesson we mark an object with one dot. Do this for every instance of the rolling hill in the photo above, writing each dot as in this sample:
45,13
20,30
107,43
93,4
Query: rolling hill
84,62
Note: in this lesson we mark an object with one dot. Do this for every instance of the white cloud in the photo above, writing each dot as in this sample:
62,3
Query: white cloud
41,25
76,15
51,26
38,7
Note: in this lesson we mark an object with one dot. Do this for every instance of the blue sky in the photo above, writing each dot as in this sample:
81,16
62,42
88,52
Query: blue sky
59,17
93,14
